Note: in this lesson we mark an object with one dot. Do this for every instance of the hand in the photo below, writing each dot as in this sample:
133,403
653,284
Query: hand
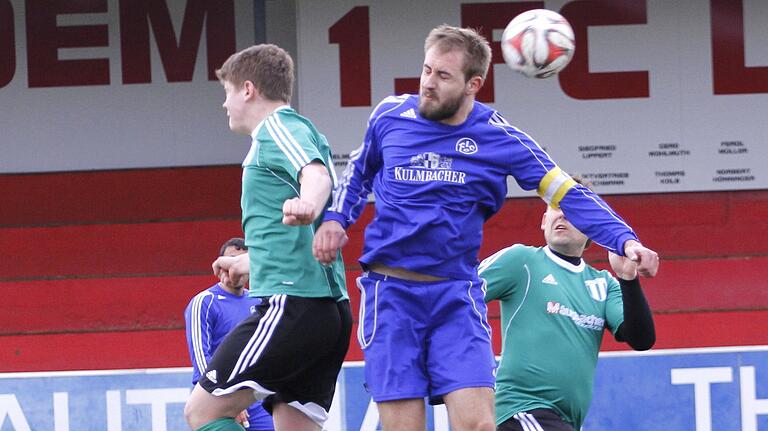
624,267
242,419
232,270
298,212
329,239
646,259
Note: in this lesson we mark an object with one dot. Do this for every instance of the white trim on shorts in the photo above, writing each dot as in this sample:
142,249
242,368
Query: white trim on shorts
361,313
261,336
528,422
312,411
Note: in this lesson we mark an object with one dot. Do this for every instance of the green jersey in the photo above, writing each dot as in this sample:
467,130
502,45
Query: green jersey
281,260
553,314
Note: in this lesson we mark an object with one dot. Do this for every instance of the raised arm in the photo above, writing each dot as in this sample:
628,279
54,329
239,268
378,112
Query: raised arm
533,169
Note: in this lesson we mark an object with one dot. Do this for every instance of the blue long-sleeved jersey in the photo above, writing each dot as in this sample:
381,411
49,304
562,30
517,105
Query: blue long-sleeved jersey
209,317
436,184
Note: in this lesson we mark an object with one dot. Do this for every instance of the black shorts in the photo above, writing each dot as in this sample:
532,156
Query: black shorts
535,420
289,350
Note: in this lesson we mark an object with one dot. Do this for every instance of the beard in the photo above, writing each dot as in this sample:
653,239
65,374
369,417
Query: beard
440,111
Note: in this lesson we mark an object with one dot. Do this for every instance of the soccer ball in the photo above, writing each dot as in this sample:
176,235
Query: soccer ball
538,43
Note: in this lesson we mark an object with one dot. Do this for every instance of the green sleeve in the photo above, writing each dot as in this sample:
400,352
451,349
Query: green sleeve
287,145
500,272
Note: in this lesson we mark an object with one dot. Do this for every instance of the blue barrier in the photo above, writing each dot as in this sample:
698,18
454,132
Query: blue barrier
720,389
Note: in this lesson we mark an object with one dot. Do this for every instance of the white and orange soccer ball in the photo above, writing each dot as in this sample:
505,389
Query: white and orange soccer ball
538,43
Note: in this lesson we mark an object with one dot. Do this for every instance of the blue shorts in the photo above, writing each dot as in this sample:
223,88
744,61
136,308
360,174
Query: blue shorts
423,339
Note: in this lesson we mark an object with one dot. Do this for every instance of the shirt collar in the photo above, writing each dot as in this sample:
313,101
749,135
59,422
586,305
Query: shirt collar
565,264
255,131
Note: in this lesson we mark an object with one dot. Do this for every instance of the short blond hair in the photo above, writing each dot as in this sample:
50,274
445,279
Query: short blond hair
477,51
267,66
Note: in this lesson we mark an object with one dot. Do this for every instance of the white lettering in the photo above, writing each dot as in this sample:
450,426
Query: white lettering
10,408
114,411
371,419
440,419
440,413
426,175
751,406
585,321
701,379
61,411
334,421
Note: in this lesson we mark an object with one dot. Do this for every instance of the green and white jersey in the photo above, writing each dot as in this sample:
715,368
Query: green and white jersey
553,315
281,260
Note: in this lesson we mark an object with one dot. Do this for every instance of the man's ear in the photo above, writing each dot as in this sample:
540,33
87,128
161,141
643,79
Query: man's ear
474,85
250,89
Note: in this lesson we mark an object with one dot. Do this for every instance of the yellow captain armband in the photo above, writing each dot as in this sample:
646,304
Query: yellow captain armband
554,186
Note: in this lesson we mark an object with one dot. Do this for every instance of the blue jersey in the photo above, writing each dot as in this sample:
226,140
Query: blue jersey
209,317
436,184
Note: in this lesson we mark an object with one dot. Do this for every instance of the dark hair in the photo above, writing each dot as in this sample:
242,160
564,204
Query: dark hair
267,66
237,243
477,51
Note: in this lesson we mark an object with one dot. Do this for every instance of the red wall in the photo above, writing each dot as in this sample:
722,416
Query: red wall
97,267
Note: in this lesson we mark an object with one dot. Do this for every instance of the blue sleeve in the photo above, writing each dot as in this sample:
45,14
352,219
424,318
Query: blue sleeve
532,168
595,219
197,319
351,194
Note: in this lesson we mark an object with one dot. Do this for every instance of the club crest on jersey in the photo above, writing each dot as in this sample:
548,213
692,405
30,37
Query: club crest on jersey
431,161
598,288
466,146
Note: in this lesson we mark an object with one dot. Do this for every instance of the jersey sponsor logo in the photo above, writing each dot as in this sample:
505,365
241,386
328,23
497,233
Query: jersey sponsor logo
252,309
409,113
598,288
221,297
429,167
466,146
583,320
211,375
549,279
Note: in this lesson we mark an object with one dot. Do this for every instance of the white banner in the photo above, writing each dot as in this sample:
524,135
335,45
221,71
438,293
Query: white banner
662,96
104,84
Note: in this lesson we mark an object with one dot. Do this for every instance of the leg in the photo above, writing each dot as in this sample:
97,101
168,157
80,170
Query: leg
402,415
288,418
203,407
471,409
